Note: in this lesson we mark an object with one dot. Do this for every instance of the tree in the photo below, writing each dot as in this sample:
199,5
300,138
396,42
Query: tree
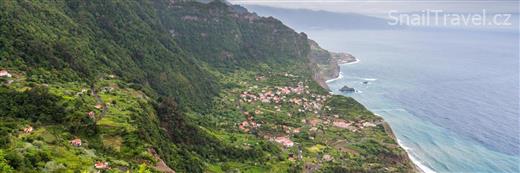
143,169
4,166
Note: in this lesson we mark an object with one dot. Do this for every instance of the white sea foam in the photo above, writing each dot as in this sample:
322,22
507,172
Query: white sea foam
340,76
409,151
370,79
417,162
353,62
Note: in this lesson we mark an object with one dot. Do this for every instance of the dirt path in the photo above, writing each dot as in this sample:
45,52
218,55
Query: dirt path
160,165
99,101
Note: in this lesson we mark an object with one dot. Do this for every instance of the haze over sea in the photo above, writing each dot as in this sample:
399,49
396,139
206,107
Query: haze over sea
451,96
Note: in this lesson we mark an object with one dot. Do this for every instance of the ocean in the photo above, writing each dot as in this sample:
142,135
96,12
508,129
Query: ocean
450,95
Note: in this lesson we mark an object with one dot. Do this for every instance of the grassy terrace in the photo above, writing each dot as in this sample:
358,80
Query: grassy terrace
262,121
110,138
332,133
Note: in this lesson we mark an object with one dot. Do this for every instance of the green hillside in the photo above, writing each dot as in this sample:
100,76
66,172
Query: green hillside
157,86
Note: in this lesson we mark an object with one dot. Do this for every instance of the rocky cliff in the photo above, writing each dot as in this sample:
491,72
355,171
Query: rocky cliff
325,64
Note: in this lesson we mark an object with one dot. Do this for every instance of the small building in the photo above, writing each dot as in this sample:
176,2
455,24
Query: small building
327,157
369,124
101,165
285,141
5,73
341,124
244,126
28,129
76,142
91,114
99,106
296,130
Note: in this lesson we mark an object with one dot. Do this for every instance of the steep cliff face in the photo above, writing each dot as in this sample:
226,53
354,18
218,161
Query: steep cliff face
228,37
325,64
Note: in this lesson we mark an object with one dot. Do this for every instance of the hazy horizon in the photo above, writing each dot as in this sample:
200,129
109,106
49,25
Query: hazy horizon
380,8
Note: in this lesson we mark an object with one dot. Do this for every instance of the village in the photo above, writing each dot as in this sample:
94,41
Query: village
290,115
296,102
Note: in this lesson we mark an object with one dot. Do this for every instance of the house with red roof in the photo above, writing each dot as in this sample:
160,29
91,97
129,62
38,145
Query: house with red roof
285,141
101,165
28,129
5,73
76,142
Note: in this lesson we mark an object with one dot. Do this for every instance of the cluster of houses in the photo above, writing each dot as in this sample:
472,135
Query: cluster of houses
314,122
313,104
279,95
340,123
249,123
271,96
353,126
310,103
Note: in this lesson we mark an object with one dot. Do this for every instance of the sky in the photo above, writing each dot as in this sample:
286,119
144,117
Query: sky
382,7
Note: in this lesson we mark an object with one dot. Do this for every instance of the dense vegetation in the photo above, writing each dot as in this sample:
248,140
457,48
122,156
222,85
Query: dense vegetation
157,85
80,40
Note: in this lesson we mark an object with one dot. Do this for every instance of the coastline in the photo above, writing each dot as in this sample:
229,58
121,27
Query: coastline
340,74
356,60
417,165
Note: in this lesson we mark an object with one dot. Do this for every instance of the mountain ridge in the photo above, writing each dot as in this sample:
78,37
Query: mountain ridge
305,19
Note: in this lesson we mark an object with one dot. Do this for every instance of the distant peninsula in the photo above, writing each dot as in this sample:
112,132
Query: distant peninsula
326,64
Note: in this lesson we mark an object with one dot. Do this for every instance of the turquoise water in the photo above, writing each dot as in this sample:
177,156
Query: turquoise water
451,96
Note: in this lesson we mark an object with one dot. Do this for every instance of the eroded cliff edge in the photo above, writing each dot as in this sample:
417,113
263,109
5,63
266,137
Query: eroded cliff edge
325,64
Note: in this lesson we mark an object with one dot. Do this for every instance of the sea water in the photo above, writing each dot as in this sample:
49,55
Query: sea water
451,96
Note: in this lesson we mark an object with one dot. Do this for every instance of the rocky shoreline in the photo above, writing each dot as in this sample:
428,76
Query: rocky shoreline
325,64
